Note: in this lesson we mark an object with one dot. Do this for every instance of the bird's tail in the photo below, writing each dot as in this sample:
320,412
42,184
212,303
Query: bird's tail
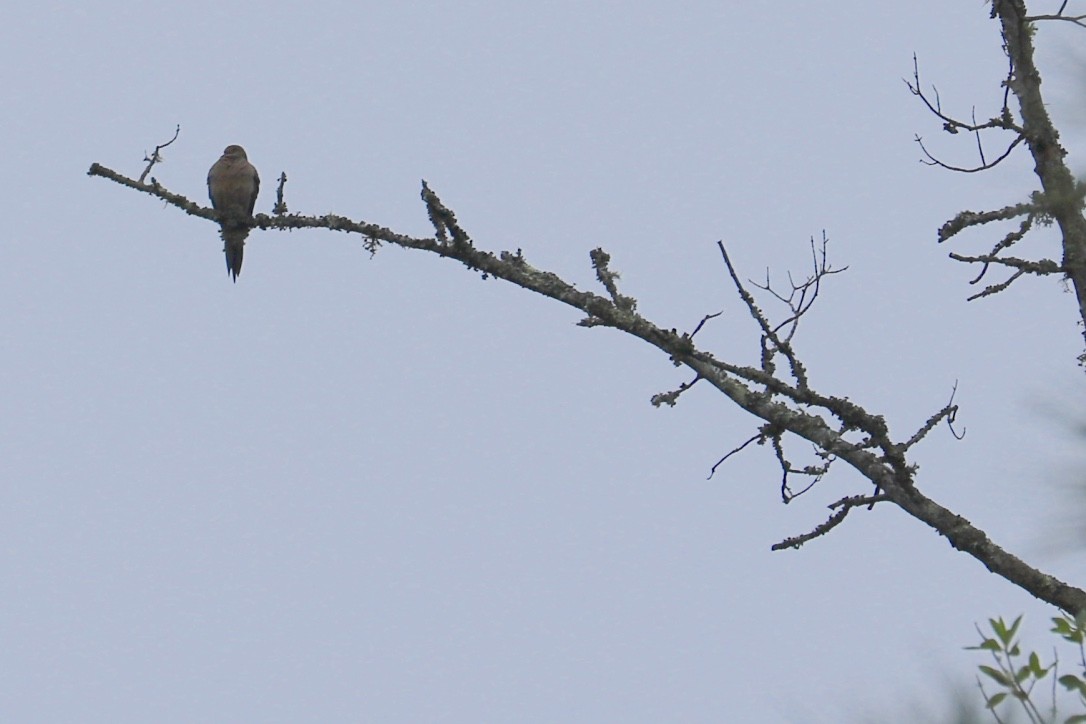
234,247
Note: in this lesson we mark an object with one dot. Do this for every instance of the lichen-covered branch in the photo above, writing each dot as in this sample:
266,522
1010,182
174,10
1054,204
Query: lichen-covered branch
838,428
1063,196
966,219
844,506
1060,199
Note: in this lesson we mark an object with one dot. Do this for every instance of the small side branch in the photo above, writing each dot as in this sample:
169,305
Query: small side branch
1004,121
671,398
759,438
814,472
771,342
1079,20
443,219
801,297
601,262
949,412
280,207
1022,267
984,165
966,219
845,505
952,125
704,319
156,155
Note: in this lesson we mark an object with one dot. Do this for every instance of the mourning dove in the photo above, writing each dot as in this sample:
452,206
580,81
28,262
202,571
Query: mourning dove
232,184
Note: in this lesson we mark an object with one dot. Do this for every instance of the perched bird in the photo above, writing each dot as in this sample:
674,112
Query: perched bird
232,184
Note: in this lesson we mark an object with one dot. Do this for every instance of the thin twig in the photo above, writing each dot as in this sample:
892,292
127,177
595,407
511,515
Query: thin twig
1079,20
933,161
704,319
1004,121
156,156
768,332
720,462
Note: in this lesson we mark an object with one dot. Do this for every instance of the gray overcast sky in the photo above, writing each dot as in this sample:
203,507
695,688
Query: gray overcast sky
355,489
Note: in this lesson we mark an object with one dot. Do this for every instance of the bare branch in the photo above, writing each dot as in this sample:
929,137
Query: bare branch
609,279
995,288
815,472
1079,20
798,301
993,258
984,166
154,189
443,219
845,505
280,207
759,438
1042,267
768,332
948,413
965,219
953,125
156,155
822,420
372,233
1004,121
704,319
976,132
671,398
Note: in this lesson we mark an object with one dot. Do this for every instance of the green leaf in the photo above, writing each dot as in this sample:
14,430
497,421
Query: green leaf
1076,719
986,645
998,627
1035,665
1073,683
1023,674
996,674
995,699
1014,627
